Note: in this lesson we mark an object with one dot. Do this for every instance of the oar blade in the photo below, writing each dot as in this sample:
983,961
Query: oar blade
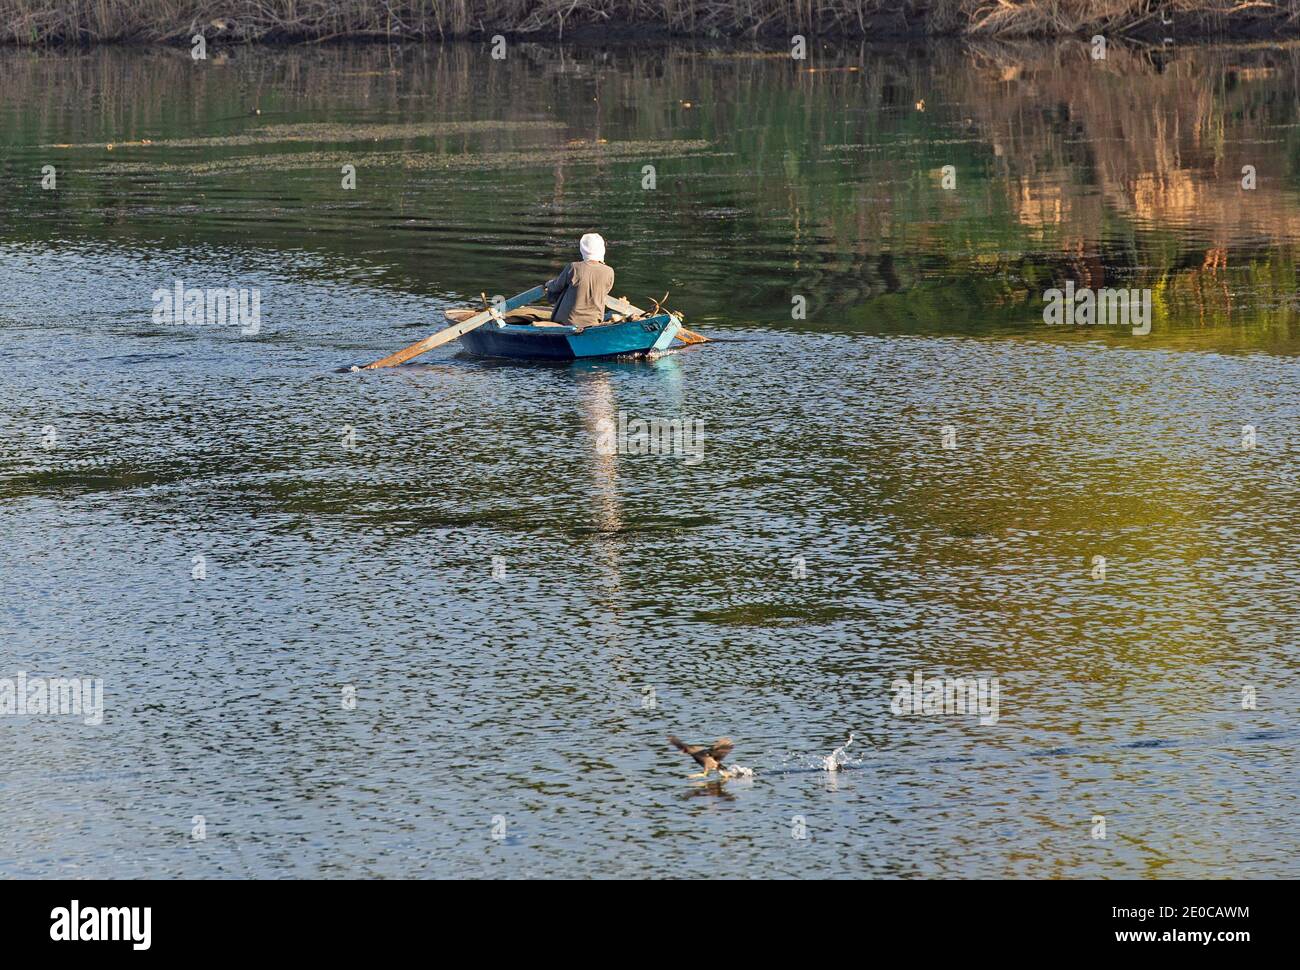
429,343
691,337
449,334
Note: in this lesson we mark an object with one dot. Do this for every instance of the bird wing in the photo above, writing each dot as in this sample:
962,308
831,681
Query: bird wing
696,751
721,748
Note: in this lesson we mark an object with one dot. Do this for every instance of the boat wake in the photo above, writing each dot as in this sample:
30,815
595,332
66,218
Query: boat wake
838,760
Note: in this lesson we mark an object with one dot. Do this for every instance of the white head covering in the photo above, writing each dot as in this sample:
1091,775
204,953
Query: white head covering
592,246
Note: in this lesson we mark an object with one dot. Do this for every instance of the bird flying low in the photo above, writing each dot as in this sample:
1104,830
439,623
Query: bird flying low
708,757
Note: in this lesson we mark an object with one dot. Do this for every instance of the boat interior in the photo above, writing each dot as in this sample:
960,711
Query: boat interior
537,316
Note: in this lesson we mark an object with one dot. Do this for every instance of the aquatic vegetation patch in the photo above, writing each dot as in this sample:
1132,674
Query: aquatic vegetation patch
274,134
579,153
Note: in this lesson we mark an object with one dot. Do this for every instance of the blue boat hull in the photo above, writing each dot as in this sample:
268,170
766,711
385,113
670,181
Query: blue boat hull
530,342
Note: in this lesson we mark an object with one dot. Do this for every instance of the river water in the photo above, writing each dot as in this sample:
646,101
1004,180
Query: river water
417,622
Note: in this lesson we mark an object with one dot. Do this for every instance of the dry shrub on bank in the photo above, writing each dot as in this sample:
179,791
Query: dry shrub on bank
175,21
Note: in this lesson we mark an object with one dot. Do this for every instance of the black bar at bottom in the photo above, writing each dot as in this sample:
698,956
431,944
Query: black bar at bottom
333,919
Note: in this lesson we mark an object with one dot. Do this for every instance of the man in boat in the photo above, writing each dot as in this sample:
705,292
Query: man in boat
579,292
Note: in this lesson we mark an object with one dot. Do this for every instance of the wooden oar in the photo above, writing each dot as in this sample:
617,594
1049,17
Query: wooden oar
455,330
628,310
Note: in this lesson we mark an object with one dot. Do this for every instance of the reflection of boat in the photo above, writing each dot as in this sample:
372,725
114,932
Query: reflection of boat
527,333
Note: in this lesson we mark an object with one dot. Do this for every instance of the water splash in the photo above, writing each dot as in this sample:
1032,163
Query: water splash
838,757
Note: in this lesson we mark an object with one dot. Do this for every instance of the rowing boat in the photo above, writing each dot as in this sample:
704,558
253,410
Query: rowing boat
514,328
528,333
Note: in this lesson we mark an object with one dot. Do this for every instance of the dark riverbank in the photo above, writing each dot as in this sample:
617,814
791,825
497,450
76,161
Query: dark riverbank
87,22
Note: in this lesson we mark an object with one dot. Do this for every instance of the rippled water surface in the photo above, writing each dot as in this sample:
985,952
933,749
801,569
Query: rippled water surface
825,546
